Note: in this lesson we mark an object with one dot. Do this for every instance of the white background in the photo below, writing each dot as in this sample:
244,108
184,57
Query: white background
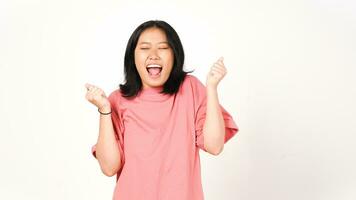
290,88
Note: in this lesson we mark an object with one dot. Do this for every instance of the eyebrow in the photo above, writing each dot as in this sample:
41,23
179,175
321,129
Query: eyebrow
150,43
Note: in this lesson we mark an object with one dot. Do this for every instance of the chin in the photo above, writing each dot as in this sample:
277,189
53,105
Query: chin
156,82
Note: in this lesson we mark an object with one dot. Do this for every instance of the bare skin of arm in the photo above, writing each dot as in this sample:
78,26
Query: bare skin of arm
107,151
214,127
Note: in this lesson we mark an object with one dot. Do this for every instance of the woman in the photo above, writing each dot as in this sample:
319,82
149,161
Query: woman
151,129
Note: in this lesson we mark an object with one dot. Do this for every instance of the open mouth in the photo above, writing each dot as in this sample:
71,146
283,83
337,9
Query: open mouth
154,70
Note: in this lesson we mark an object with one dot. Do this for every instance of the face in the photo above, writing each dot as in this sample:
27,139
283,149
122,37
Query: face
154,58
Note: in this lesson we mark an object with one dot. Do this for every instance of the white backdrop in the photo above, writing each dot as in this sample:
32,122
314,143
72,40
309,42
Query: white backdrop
290,88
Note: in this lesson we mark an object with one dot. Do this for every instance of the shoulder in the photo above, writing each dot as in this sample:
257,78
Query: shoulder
115,94
194,89
191,79
115,97
193,82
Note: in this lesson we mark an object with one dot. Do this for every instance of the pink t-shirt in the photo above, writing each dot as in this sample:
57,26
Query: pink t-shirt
159,137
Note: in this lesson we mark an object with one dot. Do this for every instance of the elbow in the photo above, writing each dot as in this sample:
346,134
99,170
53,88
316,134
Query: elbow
214,146
214,142
109,167
109,172
215,150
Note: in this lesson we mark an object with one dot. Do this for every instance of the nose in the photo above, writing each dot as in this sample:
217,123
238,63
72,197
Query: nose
153,55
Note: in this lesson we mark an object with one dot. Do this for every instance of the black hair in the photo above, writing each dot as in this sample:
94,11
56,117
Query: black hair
133,83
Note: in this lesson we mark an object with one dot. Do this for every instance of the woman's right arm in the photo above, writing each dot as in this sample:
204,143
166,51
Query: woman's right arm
107,150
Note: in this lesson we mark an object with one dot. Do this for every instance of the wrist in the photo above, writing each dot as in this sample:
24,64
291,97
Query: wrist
104,109
211,87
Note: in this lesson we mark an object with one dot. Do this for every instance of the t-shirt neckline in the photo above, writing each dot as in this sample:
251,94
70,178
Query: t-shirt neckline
153,94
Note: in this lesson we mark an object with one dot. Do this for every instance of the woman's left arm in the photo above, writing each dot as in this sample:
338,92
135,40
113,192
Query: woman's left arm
214,127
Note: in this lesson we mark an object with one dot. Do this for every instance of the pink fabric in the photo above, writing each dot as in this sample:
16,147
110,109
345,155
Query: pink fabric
160,137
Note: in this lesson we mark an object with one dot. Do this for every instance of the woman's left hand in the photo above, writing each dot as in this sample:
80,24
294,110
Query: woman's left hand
216,74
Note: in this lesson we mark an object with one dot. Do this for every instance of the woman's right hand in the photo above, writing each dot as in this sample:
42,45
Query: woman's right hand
97,97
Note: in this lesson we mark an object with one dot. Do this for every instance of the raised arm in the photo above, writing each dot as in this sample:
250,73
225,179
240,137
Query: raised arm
106,149
214,127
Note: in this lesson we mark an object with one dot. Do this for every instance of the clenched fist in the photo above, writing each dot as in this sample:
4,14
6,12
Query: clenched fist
216,74
97,97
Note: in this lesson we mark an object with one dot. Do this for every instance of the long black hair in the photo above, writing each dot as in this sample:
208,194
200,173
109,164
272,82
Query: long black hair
133,83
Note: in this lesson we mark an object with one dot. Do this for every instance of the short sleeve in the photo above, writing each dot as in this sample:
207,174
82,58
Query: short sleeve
200,101
116,117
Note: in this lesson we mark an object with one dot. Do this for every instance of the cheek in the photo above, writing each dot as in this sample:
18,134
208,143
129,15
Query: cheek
169,58
139,60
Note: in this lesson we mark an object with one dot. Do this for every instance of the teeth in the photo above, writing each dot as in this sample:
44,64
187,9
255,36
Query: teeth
149,66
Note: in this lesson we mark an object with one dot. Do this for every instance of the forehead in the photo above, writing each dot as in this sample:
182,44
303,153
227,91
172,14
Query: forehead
152,35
